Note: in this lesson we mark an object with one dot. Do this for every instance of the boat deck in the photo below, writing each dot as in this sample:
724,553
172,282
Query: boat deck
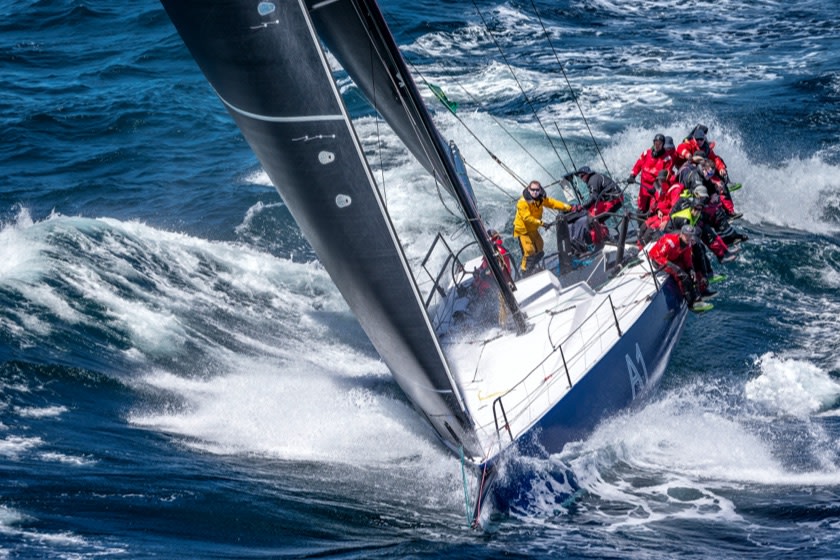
519,377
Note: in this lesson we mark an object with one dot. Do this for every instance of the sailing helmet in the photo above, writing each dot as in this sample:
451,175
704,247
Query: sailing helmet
669,143
585,170
688,231
699,133
701,192
660,137
492,233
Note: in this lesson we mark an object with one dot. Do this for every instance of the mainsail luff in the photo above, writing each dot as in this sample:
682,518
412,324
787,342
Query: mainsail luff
265,63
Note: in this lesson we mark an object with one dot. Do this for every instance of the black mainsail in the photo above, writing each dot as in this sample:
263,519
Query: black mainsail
265,62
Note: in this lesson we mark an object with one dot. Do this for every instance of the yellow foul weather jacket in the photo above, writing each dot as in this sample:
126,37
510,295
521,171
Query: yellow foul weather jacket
529,213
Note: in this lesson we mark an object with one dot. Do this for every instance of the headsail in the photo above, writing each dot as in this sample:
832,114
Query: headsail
353,31
358,36
265,62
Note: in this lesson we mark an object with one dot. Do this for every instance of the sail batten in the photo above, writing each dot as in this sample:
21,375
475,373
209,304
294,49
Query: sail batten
270,118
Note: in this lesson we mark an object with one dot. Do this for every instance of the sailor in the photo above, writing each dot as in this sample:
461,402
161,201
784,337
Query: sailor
691,213
716,216
671,151
673,252
528,220
703,173
501,254
697,141
663,196
605,197
650,163
483,284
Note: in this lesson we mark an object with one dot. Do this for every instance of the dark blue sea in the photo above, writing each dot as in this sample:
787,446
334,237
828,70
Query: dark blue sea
180,378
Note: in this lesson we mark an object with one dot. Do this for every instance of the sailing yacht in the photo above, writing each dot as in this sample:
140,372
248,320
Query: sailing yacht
529,364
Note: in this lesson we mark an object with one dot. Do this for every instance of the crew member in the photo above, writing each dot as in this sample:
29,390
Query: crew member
605,197
650,163
673,252
528,220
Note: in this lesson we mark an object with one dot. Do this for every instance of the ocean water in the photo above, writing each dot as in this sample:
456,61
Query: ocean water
180,378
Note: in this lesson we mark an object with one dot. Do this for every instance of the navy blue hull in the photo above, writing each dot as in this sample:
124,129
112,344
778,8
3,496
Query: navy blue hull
635,363
638,360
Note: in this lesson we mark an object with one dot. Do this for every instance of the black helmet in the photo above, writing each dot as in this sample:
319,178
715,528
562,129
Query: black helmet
669,143
585,170
699,134
660,137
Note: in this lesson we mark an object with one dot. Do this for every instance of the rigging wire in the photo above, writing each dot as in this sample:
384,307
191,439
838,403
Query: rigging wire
491,181
496,120
569,84
521,89
472,133
403,101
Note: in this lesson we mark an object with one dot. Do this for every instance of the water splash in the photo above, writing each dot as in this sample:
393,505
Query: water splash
792,386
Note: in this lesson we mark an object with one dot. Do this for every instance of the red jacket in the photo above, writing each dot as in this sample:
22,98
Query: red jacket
650,166
664,200
689,146
669,248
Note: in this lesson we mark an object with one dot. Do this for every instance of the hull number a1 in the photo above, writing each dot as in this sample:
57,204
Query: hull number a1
637,382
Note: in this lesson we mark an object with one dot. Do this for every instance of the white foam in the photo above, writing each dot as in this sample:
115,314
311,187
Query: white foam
301,411
19,252
9,517
12,447
681,456
792,386
152,287
41,412
686,435
259,177
72,460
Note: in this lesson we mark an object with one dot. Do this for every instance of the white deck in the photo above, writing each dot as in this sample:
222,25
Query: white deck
528,369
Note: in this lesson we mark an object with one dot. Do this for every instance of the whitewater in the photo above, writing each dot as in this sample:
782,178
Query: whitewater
179,376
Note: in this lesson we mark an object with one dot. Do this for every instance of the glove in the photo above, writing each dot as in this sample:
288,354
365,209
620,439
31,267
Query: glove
631,179
723,174
576,208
